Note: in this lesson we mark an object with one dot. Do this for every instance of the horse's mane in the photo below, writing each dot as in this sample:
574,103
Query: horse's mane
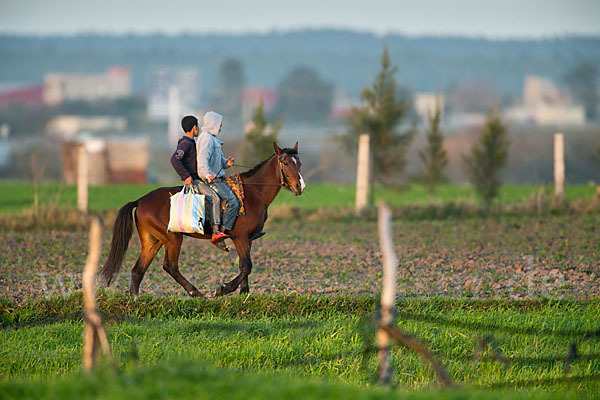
253,170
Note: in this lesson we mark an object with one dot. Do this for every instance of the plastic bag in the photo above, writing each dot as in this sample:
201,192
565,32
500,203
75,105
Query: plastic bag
187,212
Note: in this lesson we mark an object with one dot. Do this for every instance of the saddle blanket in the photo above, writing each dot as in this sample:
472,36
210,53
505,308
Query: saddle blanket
235,184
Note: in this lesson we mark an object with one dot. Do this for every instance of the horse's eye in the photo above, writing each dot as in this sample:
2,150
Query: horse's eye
285,163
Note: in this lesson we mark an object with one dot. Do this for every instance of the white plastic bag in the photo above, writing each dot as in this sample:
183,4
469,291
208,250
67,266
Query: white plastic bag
187,212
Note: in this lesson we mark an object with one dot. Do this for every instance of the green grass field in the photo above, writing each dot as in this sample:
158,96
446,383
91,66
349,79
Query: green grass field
318,342
315,345
16,197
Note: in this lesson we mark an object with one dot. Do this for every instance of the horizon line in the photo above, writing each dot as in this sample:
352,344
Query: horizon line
280,31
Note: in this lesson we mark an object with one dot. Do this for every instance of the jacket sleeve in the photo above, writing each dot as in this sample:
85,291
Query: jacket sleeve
204,150
177,160
224,162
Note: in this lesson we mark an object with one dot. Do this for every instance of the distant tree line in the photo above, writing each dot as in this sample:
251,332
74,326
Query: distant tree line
302,95
342,57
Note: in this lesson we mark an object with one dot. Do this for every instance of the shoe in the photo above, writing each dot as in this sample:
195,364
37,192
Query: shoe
217,237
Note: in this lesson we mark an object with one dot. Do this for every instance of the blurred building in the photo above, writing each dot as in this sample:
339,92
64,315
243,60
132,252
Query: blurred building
163,82
23,94
123,160
538,90
425,104
114,84
545,104
69,126
460,120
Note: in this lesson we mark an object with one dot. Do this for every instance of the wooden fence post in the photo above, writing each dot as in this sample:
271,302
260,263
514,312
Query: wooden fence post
559,168
362,173
82,178
94,336
388,294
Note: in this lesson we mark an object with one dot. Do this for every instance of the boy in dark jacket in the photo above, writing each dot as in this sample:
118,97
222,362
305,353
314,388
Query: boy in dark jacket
185,163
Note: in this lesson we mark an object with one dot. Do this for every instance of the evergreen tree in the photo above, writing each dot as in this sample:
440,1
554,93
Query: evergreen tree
488,156
434,157
259,137
384,109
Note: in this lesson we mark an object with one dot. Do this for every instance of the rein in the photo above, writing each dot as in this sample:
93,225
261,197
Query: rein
263,184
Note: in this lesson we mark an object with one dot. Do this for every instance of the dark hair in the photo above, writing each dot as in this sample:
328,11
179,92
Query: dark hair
188,122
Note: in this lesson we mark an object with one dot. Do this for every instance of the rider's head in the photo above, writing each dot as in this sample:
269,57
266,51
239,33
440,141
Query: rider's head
212,123
190,124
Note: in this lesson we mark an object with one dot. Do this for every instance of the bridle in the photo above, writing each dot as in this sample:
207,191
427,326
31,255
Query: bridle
283,182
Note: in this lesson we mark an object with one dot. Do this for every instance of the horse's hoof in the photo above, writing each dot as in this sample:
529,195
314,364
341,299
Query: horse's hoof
195,293
219,292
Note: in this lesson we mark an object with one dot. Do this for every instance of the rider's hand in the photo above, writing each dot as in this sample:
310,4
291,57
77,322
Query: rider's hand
188,180
210,178
230,161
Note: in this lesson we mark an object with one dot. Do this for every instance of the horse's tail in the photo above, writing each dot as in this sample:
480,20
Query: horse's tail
122,231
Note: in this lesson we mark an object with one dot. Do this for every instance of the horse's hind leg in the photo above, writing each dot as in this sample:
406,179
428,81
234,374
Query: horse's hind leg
172,248
150,246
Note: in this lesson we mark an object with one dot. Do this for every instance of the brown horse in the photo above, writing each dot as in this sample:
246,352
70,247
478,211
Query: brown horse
261,185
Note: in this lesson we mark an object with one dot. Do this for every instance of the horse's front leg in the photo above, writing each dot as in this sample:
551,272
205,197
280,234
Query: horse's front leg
245,270
242,246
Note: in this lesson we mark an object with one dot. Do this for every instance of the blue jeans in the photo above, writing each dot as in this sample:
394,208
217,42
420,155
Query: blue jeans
233,204
213,200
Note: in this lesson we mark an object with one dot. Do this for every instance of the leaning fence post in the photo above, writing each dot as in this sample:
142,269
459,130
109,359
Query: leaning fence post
388,294
94,336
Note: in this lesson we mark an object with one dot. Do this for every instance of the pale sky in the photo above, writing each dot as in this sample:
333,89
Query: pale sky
492,19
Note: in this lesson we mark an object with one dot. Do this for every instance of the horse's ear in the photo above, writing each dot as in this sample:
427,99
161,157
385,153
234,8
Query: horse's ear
296,147
276,148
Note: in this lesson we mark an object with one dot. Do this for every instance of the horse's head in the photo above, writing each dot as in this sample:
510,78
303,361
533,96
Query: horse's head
289,168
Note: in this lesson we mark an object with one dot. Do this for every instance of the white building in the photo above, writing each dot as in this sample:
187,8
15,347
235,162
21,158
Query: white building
161,85
425,104
545,104
115,83
69,126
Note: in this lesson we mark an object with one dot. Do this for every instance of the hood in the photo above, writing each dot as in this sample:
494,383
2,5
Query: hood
212,123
